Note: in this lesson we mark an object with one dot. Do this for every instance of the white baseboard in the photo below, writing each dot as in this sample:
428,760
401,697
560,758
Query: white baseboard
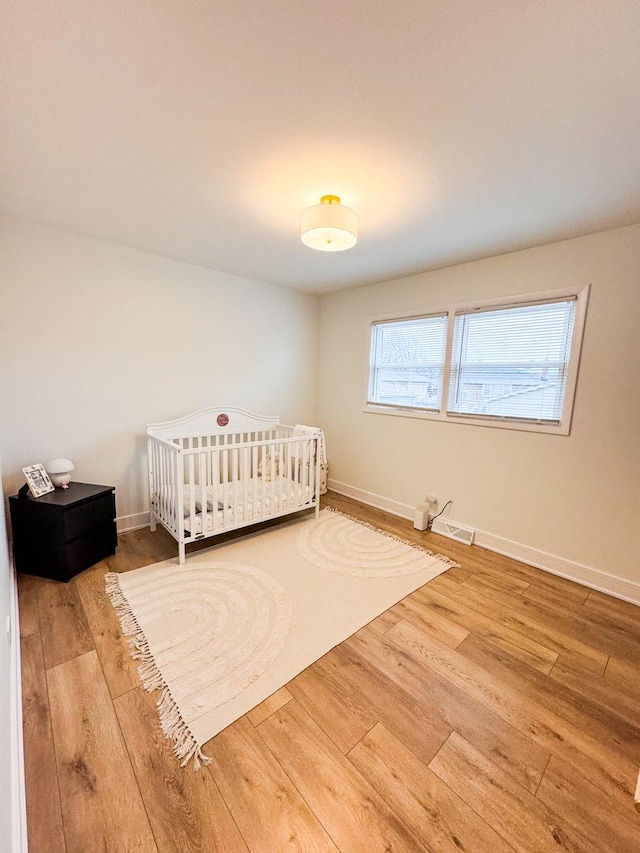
127,523
371,499
18,796
585,575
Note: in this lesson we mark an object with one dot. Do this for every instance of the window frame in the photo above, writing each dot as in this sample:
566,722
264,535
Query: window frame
581,296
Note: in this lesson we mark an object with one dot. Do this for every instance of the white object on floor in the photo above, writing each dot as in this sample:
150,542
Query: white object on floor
421,517
240,620
222,468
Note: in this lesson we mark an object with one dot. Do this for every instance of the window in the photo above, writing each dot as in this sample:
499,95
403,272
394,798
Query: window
407,362
521,354
511,365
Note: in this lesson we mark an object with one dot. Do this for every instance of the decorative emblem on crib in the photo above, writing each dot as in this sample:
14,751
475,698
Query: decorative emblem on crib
223,419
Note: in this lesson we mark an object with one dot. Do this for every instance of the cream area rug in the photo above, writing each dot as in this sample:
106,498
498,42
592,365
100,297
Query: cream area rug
223,632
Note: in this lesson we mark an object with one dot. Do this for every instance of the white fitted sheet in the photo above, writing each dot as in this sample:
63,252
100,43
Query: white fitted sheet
251,500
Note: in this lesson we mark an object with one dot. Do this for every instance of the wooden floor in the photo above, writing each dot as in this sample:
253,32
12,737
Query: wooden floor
495,709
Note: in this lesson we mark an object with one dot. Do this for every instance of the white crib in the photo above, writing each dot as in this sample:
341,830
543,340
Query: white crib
224,468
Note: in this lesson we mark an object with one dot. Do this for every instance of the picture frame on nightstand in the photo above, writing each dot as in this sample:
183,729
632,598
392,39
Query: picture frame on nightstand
38,480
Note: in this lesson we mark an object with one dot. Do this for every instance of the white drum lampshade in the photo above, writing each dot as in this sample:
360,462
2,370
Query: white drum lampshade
329,226
59,471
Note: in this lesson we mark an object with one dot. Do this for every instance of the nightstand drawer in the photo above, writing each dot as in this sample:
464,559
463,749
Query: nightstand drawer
81,519
91,548
62,562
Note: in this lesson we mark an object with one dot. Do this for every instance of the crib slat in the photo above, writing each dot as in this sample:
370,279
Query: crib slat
165,482
225,486
171,496
275,486
272,483
246,479
162,482
161,486
263,478
159,480
191,495
234,476
157,476
215,485
318,472
295,468
204,511
304,471
173,492
171,482
254,479
178,490
166,497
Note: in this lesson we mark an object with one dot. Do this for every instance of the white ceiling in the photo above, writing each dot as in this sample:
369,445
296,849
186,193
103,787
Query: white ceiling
200,129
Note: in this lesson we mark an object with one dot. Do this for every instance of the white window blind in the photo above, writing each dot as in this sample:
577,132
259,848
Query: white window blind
407,362
511,362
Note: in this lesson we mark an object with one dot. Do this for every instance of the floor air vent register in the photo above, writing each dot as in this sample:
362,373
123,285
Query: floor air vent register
453,530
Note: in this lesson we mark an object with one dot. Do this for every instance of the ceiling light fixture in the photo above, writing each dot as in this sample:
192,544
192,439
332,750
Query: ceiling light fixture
329,226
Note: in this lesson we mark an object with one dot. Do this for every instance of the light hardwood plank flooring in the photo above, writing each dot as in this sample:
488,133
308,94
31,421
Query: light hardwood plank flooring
495,709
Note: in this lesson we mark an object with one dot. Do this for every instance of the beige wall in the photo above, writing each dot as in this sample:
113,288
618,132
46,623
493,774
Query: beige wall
577,497
97,340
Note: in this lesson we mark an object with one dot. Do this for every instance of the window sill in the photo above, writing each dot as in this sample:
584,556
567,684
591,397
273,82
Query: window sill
423,414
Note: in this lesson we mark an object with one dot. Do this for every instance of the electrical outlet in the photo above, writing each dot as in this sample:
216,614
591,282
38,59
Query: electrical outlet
431,499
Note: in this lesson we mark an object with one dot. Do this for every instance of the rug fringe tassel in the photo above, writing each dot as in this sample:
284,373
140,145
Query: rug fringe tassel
185,746
451,563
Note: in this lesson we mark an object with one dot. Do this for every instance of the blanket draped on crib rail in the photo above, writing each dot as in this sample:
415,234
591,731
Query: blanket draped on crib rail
303,429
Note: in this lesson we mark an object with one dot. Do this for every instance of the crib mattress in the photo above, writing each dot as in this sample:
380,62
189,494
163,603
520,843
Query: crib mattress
252,500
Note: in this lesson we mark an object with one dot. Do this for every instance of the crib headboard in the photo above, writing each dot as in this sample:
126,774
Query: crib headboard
216,420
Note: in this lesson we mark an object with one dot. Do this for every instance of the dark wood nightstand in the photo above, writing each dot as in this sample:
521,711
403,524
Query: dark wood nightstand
64,532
